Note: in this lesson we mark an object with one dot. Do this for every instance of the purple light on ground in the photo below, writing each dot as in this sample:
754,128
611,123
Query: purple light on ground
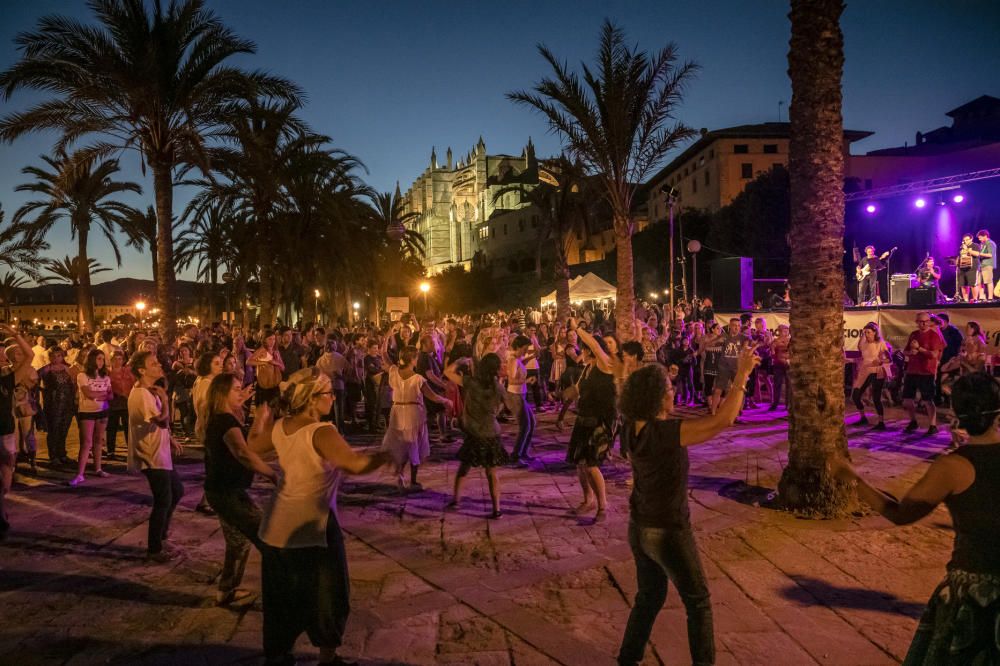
958,198
920,203
871,208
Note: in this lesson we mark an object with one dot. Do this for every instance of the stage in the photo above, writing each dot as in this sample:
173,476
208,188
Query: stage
895,321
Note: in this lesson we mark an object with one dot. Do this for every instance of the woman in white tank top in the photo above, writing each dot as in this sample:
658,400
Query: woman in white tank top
304,566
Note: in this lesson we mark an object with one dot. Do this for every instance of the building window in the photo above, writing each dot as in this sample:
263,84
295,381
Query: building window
534,221
493,232
520,225
746,170
741,148
770,148
706,178
505,229
694,184
711,153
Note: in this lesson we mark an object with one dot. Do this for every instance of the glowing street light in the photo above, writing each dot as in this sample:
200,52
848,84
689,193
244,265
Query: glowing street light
425,287
316,303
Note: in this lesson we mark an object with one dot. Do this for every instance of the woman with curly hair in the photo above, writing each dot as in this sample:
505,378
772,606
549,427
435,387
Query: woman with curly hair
659,530
961,624
304,565
483,397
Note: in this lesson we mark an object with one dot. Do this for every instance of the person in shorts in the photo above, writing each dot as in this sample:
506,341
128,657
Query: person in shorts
732,341
923,353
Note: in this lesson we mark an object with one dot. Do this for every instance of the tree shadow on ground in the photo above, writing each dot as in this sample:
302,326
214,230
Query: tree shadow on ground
809,590
60,545
95,586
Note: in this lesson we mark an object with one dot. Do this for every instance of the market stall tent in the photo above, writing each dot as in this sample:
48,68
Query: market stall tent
587,287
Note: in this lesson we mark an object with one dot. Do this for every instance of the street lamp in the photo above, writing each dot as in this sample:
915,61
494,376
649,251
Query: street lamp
425,287
139,307
316,303
356,306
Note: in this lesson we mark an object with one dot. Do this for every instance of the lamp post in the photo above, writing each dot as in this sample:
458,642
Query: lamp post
425,287
356,306
316,303
671,195
694,247
140,306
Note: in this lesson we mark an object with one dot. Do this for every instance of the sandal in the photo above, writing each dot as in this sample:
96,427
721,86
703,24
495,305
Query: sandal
101,473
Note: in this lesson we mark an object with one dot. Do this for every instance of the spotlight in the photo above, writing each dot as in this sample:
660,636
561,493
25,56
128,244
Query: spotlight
958,198
920,203
871,208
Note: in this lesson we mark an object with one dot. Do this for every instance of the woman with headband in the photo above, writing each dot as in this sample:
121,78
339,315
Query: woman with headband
304,566
961,624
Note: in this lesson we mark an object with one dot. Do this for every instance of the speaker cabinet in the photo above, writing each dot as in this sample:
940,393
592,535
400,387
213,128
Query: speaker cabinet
921,296
899,286
732,283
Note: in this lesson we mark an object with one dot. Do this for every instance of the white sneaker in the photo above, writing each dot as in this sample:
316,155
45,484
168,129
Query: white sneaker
76,481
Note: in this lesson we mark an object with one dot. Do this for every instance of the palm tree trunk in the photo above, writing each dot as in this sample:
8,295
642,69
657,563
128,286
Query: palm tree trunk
213,290
163,186
562,286
84,303
266,295
816,166
625,293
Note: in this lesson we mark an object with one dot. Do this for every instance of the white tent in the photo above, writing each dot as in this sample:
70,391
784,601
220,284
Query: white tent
587,287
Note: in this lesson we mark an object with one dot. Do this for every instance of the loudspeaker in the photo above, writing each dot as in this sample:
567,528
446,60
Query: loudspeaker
921,296
732,284
899,285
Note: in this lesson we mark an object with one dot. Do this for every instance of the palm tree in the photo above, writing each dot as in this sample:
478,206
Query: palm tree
78,188
19,250
9,284
142,230
816,168
207,240
143,79
617,122
385,225
563,199
73,271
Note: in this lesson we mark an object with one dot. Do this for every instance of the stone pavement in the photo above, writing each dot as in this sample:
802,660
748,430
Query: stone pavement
539,586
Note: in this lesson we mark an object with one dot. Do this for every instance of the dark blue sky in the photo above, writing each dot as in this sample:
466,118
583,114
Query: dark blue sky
389,80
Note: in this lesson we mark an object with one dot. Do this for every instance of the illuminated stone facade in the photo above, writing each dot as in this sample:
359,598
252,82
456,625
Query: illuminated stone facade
455,203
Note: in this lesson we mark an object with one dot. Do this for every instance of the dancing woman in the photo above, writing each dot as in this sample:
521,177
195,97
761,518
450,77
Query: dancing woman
961,621
482,398
304,565
873,369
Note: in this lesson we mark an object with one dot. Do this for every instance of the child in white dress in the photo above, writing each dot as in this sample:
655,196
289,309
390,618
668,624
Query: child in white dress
406,439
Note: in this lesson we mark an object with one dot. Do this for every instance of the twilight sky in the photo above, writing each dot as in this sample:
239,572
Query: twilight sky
388,80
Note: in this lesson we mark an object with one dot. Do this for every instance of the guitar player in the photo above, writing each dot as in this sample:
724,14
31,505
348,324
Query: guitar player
867,274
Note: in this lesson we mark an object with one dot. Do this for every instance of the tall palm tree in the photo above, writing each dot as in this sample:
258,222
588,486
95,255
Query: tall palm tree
142,229
207,241
618,120
816,170
143,78
73,271
563,198
81,189
385,225
9,284
19,250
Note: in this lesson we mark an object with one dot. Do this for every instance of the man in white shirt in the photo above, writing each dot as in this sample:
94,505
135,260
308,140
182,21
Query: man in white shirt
107,346
150,449
41,358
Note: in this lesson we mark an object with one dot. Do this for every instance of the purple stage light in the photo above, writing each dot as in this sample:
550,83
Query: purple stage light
920,203
958,198
871,208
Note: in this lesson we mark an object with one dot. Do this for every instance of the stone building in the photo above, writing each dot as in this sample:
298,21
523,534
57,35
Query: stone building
457,200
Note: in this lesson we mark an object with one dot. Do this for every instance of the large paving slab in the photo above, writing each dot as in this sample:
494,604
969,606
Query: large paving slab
432,586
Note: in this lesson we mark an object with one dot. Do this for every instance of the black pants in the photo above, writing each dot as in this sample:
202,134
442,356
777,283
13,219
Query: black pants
662,556
167,492
305,589
117,422
876,383
869,288
240,521
535,388
371,404
779,381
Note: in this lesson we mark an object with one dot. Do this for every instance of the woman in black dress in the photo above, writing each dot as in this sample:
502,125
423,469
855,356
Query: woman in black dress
961,624
591,438
482,396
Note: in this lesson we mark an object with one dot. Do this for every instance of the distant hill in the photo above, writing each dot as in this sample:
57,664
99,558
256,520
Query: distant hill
123,291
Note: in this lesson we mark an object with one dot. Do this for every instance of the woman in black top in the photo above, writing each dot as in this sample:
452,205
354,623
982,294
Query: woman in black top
961,624
591,438
229,470
659,529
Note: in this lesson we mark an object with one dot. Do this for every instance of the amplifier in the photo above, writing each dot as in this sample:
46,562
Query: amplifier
922,296
899,284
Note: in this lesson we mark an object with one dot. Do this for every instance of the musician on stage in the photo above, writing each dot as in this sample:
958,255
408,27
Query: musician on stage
867,274
968,267
987,260
929,275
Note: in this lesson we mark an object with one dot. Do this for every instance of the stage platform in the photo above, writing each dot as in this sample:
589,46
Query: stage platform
896,321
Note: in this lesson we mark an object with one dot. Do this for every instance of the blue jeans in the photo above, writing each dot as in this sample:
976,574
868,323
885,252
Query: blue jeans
525,415
664,555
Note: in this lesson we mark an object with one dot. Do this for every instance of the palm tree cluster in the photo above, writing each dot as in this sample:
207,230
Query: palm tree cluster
276,203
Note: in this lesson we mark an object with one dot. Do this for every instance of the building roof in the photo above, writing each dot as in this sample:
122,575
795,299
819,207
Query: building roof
983,101
758,131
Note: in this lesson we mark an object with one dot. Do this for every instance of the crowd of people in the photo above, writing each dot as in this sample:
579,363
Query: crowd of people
280,403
